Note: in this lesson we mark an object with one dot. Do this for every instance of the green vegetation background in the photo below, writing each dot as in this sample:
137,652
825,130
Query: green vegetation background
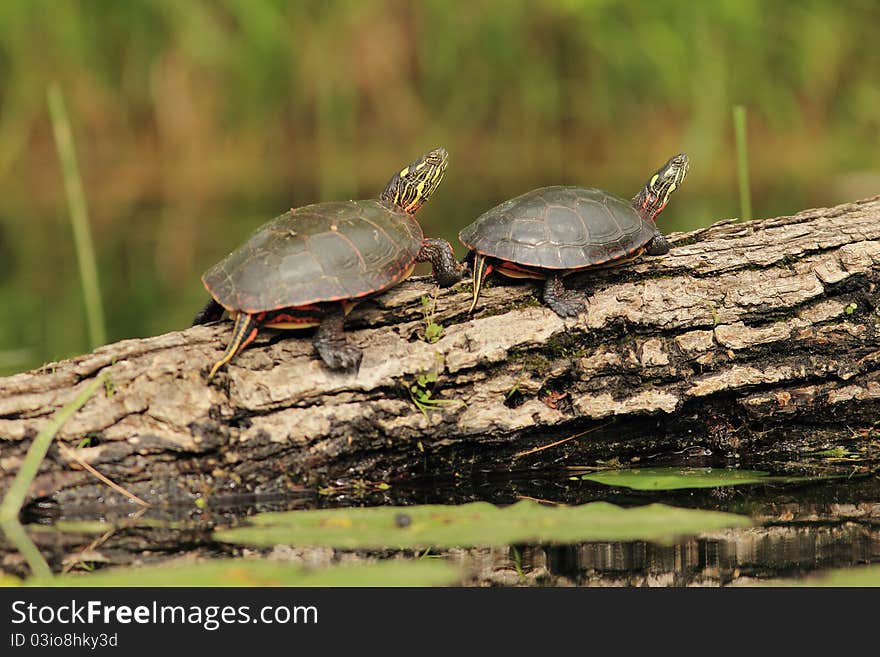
197,121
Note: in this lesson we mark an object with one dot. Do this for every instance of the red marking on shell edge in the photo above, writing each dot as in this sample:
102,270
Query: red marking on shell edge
290,319
307,306
510,265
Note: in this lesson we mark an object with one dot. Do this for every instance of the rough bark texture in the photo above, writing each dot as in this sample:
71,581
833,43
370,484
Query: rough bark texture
746,337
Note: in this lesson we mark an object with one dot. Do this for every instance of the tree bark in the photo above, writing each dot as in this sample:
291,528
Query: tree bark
747,337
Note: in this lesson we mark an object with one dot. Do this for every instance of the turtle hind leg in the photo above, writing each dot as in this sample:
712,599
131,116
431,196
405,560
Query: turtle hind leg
210,313
562,301
243,333
481,268
658,245
331,344
447,270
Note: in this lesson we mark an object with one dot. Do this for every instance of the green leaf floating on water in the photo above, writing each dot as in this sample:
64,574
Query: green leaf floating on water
478,523
254,572
71,527
679,478
864,576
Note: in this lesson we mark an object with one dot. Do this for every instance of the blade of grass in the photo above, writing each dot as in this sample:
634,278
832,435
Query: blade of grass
742,162
559,442
79,218
112,484
14,497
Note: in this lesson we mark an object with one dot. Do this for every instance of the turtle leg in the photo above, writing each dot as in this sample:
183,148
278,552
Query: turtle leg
331,344
243,333
210,313
481,268
658,245
439,253
564,302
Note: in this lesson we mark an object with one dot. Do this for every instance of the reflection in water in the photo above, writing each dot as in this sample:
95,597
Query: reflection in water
799,530
737,557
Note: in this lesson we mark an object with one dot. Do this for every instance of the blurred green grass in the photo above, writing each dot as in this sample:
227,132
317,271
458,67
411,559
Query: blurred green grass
197,121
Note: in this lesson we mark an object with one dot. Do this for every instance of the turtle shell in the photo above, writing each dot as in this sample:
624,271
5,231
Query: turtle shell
560,228
317,253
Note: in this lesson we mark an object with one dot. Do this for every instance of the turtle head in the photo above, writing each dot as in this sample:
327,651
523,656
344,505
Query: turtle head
410,187
655,194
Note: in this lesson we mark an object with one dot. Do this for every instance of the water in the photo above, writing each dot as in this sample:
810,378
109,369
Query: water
800,530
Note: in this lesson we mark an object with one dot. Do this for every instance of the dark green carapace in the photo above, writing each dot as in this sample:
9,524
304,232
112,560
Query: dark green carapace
553,231
310,265
318,253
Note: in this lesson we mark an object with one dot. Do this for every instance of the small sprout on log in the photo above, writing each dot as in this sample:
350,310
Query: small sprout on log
421,394
851,308
428,377
433,331
714,309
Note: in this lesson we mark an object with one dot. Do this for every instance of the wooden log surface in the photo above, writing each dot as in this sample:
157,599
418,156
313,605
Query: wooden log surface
747,337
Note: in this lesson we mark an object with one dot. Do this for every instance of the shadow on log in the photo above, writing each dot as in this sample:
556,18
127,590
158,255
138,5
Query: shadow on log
747,338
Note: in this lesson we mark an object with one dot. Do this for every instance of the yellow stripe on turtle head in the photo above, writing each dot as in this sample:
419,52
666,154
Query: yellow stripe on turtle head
410,187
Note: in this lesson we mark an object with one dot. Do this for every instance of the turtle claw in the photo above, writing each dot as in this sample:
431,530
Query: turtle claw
340,356
562,301
570,306
450,277
658,245
330,343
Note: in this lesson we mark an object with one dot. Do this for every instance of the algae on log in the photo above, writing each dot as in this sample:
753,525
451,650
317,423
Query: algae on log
745,338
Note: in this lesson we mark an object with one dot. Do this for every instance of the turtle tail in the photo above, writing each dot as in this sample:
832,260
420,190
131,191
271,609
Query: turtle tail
243,333
481,268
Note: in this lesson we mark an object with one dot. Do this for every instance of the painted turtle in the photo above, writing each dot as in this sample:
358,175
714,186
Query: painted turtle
553,231
309,266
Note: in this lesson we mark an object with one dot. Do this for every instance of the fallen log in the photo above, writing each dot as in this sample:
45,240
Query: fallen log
747,337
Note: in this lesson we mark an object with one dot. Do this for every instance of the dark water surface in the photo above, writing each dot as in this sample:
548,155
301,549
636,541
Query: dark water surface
800,529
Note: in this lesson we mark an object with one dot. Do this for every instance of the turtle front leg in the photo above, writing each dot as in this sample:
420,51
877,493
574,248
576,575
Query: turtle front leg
331,344
658,245
447,271
562,301
210,313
